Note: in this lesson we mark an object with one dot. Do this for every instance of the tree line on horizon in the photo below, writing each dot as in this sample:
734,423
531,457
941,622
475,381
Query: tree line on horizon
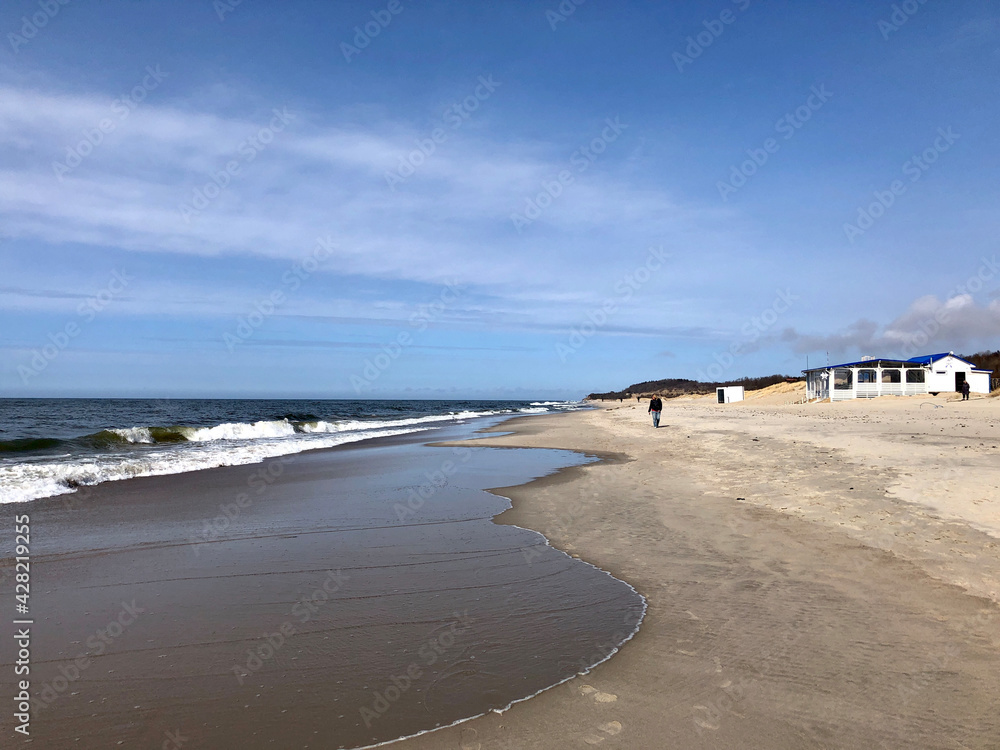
985,360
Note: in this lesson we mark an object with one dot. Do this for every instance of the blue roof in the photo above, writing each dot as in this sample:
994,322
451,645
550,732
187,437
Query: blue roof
871,362
928,359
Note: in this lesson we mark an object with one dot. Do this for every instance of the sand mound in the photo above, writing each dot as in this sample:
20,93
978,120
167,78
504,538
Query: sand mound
779,393
774,395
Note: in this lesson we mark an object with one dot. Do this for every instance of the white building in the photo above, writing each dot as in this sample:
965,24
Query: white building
931,373
729,394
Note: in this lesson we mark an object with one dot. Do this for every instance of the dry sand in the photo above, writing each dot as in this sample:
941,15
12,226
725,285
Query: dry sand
818,576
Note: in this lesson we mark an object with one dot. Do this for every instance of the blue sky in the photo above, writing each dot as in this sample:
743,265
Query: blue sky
488,200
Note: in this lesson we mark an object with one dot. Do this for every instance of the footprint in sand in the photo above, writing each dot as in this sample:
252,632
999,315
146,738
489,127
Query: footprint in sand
597,695
469,740
602,731
610,730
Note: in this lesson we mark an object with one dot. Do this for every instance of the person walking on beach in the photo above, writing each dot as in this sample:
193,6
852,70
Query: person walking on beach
966,389
655,407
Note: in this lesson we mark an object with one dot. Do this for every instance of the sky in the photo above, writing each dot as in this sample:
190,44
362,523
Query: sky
488,200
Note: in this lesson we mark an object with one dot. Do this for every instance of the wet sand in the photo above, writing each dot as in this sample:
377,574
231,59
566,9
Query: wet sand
335,598
804,592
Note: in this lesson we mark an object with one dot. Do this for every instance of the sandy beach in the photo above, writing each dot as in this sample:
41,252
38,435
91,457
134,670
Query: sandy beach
815,576
818,576
300,302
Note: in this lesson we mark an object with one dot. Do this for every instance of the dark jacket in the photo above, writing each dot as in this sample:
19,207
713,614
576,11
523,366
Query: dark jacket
655,404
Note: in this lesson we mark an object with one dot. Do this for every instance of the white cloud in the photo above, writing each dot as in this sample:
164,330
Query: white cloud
927,326
451,219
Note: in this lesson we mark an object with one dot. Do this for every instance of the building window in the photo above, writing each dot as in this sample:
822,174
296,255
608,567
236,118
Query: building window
843,380
890,376
866,376
915,376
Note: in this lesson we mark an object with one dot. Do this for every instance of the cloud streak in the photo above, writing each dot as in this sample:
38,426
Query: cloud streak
311,179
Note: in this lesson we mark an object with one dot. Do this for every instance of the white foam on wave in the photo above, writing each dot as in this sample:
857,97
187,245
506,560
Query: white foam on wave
358,424
561,405
239,431
282,428
229,444
134,434
33,480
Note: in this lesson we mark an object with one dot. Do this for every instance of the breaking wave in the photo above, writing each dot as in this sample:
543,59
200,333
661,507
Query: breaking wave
44,467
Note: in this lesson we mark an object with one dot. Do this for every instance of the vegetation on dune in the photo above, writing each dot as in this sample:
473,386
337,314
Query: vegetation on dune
671,387
985,361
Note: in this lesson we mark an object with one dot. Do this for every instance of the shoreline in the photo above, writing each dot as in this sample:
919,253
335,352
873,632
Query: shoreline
214,609
40,467
762,625
766,626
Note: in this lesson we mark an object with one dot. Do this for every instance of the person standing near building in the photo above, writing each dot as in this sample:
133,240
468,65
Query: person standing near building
966,389
655,407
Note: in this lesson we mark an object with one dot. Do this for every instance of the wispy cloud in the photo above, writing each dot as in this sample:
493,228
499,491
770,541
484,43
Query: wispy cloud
929,323
451,221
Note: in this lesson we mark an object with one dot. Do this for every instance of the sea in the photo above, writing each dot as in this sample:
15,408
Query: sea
52,447
259,593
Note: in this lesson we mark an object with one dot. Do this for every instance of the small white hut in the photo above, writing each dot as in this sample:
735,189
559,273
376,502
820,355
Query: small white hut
872,376
729,394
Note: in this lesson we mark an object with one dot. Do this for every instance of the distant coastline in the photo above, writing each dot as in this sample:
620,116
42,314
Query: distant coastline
673,387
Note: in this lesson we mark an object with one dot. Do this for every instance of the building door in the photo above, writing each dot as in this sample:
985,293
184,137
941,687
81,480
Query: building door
959,380
721,395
